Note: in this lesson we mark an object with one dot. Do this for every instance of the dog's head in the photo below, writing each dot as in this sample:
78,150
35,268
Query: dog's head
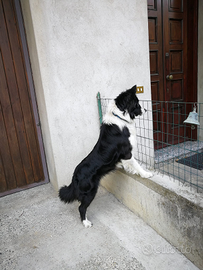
127,102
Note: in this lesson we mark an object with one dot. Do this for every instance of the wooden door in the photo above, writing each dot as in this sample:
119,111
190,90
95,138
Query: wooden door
20,156
169,67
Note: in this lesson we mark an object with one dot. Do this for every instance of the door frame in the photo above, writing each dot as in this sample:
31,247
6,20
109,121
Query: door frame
23,41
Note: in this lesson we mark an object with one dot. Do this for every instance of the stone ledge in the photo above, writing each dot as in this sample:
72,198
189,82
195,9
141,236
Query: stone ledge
176,218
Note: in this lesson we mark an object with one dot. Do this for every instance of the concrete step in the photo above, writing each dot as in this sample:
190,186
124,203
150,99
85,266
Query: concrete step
39,232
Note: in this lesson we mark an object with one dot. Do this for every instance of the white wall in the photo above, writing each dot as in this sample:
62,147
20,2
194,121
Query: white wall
77,48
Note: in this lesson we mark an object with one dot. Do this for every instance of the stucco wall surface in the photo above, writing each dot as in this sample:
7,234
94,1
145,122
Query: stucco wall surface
78,48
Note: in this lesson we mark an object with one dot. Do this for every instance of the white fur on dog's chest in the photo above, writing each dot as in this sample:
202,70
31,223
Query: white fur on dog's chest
132,137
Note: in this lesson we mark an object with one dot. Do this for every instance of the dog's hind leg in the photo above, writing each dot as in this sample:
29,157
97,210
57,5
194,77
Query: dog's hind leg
85,202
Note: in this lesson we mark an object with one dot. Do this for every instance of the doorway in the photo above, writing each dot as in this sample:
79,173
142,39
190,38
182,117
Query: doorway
22,159
173,66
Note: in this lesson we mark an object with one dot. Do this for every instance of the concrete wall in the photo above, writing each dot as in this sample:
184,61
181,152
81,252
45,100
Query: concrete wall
175,213
78,48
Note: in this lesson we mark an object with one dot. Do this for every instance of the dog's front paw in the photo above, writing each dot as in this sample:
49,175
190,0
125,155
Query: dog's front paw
87,223
146,174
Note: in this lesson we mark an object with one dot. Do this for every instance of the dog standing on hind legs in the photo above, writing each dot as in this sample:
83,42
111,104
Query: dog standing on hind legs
112,150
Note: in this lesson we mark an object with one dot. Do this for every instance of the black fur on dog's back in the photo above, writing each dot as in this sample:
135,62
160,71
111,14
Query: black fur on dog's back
112,146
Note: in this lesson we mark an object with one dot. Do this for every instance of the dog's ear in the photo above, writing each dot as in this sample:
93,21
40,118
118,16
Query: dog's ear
134,89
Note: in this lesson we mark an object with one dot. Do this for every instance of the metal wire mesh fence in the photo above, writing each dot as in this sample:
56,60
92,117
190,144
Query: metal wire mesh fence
165,143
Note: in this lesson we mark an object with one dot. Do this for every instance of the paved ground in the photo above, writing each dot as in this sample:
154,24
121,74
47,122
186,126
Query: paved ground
37,231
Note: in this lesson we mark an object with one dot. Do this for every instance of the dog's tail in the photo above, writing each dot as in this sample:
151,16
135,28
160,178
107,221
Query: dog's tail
67,194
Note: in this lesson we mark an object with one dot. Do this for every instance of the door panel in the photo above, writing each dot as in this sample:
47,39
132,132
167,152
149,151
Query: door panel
20,158
175,51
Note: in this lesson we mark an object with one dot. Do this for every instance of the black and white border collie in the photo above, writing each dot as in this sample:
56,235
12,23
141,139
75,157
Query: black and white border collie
112,150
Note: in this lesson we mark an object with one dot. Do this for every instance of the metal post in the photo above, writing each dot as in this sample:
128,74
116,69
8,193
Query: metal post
99,107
